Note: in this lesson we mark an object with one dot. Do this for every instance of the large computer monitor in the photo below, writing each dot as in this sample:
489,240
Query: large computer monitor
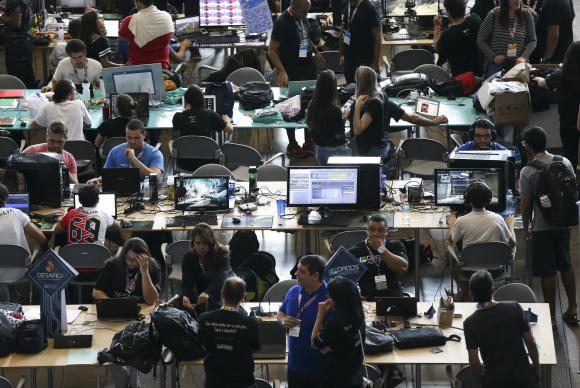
399,8
502,159
220,13
451,184
74,4
323,186
369,176
107,203
201,194
19,201
135,79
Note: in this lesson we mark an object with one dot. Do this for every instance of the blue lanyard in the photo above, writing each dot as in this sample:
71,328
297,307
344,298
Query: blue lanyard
306,305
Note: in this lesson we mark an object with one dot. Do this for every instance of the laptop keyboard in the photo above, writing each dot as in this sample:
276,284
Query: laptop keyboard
334,219
191,220
215,41
405,36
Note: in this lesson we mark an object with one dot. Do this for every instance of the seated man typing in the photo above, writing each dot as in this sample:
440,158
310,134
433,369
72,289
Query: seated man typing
385,259
483,134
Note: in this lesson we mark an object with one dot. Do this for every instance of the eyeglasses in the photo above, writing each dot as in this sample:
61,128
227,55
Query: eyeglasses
479,136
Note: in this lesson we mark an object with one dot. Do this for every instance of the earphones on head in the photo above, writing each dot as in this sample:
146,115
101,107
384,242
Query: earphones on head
477,189
483,123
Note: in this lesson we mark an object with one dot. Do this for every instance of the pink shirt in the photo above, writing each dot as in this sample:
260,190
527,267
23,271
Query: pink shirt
67,158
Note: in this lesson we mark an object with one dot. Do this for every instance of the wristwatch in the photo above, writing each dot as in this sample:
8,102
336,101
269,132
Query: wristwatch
382,249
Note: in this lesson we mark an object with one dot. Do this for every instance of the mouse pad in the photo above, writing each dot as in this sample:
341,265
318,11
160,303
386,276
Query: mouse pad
248,222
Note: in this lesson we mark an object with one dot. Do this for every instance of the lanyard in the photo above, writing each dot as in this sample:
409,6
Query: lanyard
306,305
372,257
302,33
353,12
86,74
513,29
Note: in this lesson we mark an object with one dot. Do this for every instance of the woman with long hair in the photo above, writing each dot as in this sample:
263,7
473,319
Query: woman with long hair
204,269
132,273
340,338
97,45
125,108
507,36
324,119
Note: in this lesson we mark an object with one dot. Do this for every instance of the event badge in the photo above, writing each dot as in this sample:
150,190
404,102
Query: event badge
512,50
303,50
381,282
346,37
294,331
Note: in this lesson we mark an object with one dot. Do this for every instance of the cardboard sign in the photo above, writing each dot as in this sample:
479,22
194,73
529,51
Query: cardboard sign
344,264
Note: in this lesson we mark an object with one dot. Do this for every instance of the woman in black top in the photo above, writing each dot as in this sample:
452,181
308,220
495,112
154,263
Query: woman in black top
133,273
125,111
324,119
368,119
97,44
340,337
196,120
204,269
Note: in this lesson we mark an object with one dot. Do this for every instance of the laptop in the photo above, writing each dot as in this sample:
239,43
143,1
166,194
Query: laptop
427,107
117,308
142,100
121,180
398,306
107,203
295,87
186,27
19,201
272,340
112,27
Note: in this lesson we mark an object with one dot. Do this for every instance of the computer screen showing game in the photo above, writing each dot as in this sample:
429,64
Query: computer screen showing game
186,26
19,201
451,184
323,186
220,13
107,203
201,193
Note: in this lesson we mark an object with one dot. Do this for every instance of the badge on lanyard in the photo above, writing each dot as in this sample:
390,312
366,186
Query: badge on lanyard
294,331
512,50
346,37
303,36
381,282
303,50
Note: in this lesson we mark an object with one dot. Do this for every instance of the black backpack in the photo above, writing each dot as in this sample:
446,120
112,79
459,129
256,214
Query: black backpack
6,336
558,182
178,331
377,341
30,337
255,94
402,85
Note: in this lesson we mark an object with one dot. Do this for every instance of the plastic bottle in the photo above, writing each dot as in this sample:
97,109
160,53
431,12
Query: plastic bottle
60,32
86,90
510,203
406,208
252,177
232,193
106,110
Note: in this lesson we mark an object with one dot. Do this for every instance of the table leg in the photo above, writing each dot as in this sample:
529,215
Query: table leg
417,375
162,375
32,377
44,55
417,264
50,376
546,376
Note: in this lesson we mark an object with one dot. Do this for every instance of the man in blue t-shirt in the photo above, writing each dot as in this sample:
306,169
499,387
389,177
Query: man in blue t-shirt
483,134
134,153
298,314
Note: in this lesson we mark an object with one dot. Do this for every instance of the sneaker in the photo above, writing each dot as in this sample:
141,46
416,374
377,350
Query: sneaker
308,147
294,150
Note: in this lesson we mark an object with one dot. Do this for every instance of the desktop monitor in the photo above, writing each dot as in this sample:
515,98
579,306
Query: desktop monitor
19,201
502,159
112,27
323,186
451,184
107,203
74,4
186,26
220,13
135,79
201,194
370,169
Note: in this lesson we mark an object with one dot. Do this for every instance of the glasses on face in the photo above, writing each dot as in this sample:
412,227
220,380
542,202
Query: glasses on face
379,230
482,136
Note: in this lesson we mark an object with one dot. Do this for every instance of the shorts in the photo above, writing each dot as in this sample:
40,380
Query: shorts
550,252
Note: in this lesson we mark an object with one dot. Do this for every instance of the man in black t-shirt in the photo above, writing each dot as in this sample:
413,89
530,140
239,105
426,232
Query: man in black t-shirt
499,330
229,338
17,19
458,44
361,38
385,259
554,31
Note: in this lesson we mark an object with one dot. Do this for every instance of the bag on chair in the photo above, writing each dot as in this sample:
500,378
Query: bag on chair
255,94
178,331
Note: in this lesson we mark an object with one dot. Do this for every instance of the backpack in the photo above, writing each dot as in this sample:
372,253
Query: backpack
224,96
558,183
259,273
7,337
255,94
178,331
377,341
30,337
402,85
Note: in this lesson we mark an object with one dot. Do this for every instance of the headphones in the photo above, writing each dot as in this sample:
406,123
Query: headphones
479,189
483,123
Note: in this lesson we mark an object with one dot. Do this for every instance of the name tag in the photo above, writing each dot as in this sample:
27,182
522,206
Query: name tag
294,331
346,37
512,50
303,50
381,282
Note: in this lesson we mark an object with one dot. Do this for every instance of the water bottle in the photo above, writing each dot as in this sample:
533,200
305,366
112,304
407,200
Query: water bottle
86,90
252,177
232,193
510,203
60,32
406,208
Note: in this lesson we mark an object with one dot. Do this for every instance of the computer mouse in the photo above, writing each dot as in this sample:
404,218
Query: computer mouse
236,220
126,224
83,308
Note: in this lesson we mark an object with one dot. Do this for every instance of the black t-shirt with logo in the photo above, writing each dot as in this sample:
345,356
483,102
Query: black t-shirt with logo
119,282
458,45
229,338
198,122
361,48
553,13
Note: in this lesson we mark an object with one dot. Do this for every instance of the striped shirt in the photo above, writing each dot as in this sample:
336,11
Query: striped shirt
493,38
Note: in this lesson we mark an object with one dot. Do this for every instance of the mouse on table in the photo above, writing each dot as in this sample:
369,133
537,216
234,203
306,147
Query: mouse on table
83,308
236,220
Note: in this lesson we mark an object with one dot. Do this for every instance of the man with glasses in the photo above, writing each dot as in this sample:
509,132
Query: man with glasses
56,135
483,137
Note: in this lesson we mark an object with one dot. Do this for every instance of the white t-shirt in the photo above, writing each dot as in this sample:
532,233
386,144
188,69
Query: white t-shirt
65,70
86,225
481,226
12,223
73,114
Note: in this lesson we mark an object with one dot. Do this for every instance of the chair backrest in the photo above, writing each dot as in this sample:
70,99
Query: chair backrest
212,169
195,147
13,256
240,155
176,250
7,147
424,149
260,383
347,239
85,255
466,378
81,149
204,71
410,59
517,292
332,61
486,254
272,173
8,81
109,144
457,140
245,74
436,73
278,291
372,373
5,383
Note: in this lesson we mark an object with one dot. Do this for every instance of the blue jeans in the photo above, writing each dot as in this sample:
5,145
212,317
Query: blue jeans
323,153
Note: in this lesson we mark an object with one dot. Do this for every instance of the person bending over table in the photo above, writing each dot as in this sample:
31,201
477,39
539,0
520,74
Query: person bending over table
196,120
204,269
134,153
499,331
125,110
134,273
385,260
483,137
56,136
340,338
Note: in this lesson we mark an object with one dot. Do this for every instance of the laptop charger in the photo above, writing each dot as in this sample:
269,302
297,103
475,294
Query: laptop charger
73,341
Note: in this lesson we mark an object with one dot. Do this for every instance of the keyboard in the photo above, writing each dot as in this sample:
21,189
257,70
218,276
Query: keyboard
405,36
190,220
329,220
215,41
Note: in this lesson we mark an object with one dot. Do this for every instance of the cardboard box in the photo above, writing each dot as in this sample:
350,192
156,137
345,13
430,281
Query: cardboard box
512,108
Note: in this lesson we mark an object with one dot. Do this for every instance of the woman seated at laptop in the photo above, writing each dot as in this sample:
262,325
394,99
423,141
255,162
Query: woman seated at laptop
134,273
97,44
125,111
204,269
196,120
